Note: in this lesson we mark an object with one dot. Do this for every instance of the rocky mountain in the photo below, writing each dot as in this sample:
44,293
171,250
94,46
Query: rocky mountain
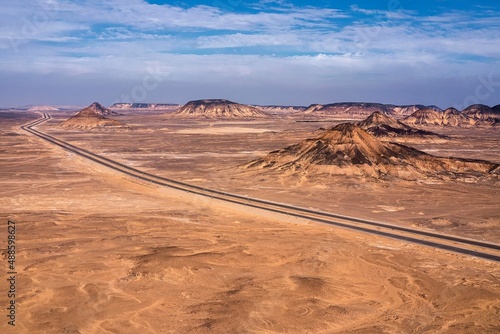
474,115
218,108
381,125
347,149
483,113
93,116
361,109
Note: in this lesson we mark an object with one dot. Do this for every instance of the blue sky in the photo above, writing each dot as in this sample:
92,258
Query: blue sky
260,52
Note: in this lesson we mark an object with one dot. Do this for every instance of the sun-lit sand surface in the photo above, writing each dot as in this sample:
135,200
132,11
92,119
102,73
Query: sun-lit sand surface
100,253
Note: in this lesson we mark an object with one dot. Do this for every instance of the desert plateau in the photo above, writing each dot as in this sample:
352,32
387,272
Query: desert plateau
104,250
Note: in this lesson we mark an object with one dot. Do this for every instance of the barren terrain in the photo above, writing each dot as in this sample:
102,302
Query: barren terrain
210,154
101,253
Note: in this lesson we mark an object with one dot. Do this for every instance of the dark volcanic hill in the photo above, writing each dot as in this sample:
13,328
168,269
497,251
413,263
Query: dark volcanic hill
92,116
218,108
349,150
381,125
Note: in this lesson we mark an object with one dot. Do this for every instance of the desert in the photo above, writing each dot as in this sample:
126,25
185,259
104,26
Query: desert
249,167
103,252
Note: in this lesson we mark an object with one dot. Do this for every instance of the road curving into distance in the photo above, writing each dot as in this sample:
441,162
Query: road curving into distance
477,248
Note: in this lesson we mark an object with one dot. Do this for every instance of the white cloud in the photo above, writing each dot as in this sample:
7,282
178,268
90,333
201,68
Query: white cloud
138,14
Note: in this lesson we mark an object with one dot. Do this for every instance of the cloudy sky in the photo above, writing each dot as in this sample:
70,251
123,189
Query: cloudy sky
293,52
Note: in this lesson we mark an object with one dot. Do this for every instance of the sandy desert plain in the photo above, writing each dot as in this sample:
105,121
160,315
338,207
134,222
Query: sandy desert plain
99,252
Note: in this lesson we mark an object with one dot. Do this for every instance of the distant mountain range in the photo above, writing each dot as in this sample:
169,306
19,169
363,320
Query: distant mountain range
412,115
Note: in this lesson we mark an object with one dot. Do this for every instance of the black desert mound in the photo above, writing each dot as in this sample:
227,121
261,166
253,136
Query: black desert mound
91,117
218,108
381,125
347,149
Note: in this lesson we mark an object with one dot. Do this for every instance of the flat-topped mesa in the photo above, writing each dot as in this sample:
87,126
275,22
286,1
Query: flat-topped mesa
381,125
218,108
347,149
93,116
